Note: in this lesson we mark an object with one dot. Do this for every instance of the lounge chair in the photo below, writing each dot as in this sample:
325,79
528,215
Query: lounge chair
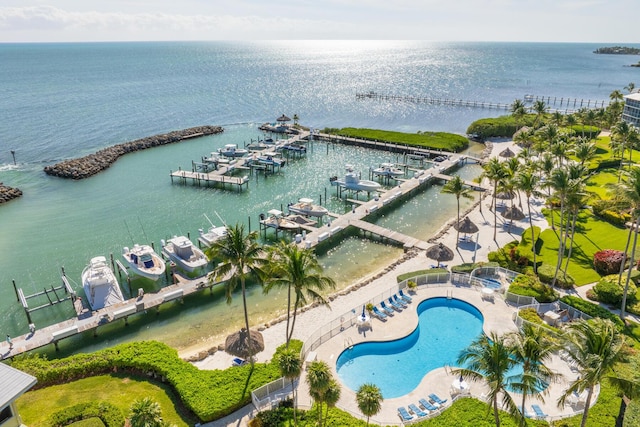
436,399
400,301
386,309
419,412
238,362
427,405
404,296
404,415
538,411
395,304
378,313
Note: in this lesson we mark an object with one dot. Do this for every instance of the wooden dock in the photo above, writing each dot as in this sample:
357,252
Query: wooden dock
205,178
91,321
473,185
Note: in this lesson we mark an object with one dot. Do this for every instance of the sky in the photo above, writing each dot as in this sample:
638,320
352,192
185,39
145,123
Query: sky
597,21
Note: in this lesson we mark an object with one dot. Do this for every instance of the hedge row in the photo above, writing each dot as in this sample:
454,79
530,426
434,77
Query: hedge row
591,309
434,140
530,286
209,394
109,414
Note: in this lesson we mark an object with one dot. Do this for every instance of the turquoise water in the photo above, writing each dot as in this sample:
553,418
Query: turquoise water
66,100
445,328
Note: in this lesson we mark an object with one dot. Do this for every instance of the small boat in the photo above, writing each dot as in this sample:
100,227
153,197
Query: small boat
307,207
215,158
213,234
388,170
277,220
185,254
232,150
269,158
293,146
144,261
100,284
352,181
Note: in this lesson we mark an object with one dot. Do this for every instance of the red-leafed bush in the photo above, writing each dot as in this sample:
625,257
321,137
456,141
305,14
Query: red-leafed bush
607,261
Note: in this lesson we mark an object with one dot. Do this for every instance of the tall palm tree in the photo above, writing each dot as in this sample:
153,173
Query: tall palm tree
546,166
241,256
527,182
331,396
585,150
319,380
540,108
560,182
299,270
532,348
558,118
369,399
629,189
145,413
290,367
488,359
630,87
575,200
494,171
620,133
518,111
458,188
595,346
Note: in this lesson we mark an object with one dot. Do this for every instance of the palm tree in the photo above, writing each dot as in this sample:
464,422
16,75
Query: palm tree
540,108
295,119
616,96
532,349
241,256
560,183
518,111
629,189
585,150
630,87
331,396
620,133
488,359
369,399
575,200
290,367
145,413
558,118
595,346
457,187
319,380
494,171
299,270
546,167
527,182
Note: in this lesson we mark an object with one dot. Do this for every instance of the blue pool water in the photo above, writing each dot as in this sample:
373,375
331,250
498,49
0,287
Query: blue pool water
445,328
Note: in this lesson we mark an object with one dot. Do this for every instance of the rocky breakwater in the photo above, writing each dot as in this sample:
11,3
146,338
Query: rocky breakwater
92,164
8,193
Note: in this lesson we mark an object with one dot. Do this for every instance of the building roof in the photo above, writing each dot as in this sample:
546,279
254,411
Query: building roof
635,96
13,383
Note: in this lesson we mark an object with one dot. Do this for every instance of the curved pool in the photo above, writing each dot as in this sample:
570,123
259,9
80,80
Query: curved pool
445,328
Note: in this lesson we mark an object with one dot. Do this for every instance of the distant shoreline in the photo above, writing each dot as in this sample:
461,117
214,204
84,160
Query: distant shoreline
617,50
84,167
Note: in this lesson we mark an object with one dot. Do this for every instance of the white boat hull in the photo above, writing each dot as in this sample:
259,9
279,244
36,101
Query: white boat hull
314,210
152,268
100,285
196,258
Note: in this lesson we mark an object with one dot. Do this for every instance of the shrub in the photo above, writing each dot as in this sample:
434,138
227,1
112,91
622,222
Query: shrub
591,309
608,261
546,273
608,291
109,414
468,267
434,140
531,286
503,126
614,218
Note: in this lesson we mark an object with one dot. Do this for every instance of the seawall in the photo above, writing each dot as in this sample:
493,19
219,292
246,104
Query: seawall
92,164
8,193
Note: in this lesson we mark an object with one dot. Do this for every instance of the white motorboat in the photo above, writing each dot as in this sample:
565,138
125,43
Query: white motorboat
144,261
212,235
269,159
352,181
215,158
307,207
388,170
232,150
277,220
100,284
184,253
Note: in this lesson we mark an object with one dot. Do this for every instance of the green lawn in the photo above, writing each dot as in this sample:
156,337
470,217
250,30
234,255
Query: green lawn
599,183
120,390
592,235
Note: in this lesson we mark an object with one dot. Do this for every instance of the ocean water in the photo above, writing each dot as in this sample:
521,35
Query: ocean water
60,101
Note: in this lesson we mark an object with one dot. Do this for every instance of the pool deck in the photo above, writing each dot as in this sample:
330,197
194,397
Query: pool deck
498,317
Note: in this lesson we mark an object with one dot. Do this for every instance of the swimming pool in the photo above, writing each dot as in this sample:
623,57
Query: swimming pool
445,327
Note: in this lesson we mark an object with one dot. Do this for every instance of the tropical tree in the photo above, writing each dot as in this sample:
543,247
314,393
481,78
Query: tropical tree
295,119
331,396
620,133
532,349
495,172
540,108
241,256
629,189
299,270
319,380
527,182
557,117
575,199
145,413
290,367
518,111
585,150
488,359
630,87
560,183
594,346
369,400
457,187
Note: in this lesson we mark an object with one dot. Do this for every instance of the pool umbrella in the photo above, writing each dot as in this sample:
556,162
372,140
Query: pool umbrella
506,153
439,253
237,344
512,213
283,119
466,226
